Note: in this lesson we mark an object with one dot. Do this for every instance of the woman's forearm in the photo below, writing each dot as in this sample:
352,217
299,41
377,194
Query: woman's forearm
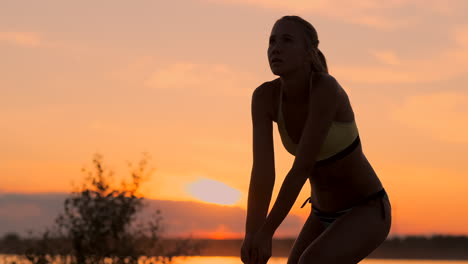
260,191
289,191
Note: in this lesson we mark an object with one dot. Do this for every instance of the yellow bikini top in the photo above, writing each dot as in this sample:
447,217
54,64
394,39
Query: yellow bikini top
342,137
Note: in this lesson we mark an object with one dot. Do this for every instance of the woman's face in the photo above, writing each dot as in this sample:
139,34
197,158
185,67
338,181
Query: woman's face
287,51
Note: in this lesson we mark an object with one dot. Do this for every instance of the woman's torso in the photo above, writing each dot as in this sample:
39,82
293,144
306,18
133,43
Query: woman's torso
343,183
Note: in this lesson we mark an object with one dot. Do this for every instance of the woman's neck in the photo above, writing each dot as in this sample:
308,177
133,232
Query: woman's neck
296,87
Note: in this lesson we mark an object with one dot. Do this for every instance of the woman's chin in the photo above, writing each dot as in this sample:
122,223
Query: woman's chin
277,71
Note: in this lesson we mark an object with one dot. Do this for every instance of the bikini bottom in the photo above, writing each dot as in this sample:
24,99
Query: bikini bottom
327,218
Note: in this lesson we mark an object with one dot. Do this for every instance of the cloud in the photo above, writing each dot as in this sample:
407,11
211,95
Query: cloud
391,15
441,115
24,39
20,212
444,65
387,57
38,40
379,14
184,217
202,78
448,8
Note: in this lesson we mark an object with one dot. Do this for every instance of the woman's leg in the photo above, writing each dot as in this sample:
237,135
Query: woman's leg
353,236
311,230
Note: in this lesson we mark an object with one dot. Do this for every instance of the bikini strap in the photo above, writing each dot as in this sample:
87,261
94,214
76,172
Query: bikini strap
308,200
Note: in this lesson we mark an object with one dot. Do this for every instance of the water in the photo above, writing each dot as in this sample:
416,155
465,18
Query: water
8,259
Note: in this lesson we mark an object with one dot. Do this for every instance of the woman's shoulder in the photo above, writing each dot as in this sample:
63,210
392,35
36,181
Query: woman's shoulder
267,87
267,90
266,94
324,78
345,110
327,80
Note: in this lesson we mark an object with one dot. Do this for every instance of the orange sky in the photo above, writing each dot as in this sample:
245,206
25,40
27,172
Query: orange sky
174,79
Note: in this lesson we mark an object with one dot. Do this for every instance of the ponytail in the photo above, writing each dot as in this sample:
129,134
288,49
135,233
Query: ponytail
323,62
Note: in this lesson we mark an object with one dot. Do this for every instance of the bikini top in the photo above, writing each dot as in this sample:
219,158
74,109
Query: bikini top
342,139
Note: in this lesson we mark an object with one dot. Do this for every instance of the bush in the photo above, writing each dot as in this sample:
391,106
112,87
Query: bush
99,225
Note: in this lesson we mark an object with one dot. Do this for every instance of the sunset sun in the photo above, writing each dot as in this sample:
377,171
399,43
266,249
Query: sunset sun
213,191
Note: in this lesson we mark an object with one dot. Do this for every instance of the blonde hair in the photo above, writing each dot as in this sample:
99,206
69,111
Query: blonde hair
311,39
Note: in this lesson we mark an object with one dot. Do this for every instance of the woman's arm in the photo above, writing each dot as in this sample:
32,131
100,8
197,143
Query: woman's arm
290,189
322,110
262,177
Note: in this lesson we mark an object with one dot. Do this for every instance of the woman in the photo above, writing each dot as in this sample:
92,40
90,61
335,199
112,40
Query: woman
351,213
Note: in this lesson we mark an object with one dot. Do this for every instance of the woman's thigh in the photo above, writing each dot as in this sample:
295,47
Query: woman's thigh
310,231
353,236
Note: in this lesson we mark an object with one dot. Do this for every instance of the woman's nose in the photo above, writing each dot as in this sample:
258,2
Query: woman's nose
275,49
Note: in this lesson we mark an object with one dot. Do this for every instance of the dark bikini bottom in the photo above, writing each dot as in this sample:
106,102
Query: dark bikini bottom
327,218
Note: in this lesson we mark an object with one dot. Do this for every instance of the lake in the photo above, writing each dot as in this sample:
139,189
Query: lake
8,259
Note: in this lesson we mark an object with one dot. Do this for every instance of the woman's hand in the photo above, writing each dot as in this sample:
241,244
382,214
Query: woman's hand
260,248
246,248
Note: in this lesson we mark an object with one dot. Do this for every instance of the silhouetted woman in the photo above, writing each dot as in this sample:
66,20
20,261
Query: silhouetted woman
350,213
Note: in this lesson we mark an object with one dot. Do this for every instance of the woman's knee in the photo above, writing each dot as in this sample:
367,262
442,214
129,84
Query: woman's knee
310,231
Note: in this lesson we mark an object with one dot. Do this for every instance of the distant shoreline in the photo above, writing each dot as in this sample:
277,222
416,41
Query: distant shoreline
411,247
437,248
